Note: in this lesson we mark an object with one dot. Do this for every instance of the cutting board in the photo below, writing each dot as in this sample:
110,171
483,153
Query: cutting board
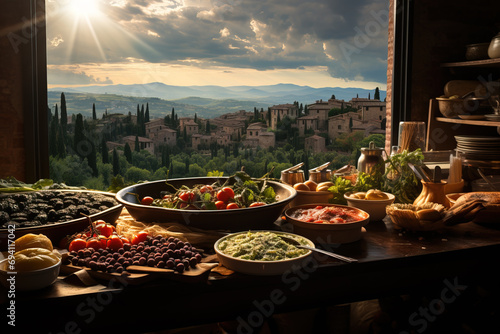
136,275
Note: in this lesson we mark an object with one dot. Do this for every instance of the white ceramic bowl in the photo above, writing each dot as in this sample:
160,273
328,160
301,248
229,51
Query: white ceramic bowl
376,208
29,280
261,268
328,233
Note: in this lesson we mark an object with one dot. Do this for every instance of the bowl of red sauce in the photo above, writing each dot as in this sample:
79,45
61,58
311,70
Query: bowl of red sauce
328,223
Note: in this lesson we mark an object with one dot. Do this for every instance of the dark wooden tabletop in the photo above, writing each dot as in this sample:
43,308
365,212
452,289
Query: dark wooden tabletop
391,262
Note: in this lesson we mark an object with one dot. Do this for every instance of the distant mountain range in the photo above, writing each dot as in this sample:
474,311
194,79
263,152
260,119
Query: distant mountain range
206,101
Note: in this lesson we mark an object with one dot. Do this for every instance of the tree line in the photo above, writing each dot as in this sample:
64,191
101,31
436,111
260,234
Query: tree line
79,155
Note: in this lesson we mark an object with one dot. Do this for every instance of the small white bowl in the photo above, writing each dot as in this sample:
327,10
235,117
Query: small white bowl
376,208
28,280
261,268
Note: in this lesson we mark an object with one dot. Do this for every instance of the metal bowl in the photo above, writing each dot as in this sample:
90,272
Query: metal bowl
477,51
451,108
260,217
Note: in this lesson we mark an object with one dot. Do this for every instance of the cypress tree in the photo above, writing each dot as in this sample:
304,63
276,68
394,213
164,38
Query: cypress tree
94,115
104,152
137,147
116,163
92,159
79,137
146,115
376,96
56,114
64,114
128,153
53,138
61,147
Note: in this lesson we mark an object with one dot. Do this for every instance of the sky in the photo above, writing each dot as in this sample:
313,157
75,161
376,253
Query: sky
316,43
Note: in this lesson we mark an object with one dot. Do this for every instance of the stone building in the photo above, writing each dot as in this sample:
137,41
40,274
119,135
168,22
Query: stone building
315,144
309,122
144,143
278,112
160,134
199,141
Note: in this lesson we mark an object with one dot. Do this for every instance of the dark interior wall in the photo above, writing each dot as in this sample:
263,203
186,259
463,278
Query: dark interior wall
441,31
23,84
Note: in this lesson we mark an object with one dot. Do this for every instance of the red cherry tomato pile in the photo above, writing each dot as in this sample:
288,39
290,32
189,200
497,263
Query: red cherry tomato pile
99,235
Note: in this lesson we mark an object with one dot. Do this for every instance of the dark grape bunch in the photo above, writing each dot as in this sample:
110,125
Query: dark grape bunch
159,252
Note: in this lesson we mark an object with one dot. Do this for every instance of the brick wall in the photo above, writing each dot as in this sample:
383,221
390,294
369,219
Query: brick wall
390,63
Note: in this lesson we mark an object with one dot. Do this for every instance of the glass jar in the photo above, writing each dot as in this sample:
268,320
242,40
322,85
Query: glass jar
371,159
411,136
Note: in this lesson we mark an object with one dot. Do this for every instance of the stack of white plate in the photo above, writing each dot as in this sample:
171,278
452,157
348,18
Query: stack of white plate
479,147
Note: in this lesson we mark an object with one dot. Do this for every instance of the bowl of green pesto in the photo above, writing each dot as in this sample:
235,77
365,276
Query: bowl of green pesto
262,252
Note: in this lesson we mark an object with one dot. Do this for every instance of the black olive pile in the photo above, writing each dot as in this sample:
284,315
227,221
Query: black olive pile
48,207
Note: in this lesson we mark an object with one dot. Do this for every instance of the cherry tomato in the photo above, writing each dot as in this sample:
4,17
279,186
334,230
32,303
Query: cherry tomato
206,189
96,243
232,206
139,237
147,200
225,194
124,240
254,204
105,229
77,244
186,196
220,205
114,243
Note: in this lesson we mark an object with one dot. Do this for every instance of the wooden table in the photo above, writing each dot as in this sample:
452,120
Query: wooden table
390,263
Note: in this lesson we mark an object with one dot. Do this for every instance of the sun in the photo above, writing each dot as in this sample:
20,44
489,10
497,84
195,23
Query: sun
84,8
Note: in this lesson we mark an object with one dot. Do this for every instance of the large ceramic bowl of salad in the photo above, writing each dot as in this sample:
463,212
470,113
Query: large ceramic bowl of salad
235,203
262,252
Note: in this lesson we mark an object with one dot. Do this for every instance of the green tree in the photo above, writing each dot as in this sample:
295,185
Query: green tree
127,152
104,151
64,114
80,143
376,96
116,163
135,174
53,137
61,147
137,147
146,115
94,115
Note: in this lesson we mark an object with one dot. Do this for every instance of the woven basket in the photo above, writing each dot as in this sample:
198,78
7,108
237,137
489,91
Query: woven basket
405,216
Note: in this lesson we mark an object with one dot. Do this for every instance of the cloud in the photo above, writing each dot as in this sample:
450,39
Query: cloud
260,34
74,76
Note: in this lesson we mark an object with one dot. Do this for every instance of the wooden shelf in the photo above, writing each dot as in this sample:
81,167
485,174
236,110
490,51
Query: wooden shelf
467,121
474,63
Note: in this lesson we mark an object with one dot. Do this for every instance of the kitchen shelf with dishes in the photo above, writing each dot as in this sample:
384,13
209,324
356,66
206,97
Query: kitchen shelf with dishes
439,125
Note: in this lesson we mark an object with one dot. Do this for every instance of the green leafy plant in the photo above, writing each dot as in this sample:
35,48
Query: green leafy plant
398,179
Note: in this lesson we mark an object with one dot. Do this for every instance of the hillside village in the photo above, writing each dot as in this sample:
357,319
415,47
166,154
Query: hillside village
315,126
